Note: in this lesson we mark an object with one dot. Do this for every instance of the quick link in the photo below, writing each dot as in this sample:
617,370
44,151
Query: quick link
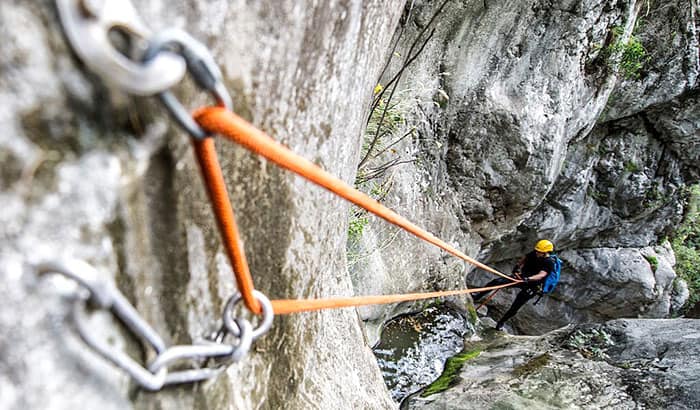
102,294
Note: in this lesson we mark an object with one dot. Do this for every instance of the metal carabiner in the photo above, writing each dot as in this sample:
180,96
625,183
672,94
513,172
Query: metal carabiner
201,66
202,351
87,24
106,296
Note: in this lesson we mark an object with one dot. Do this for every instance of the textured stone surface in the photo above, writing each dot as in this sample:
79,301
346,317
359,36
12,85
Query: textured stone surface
496,97
516,137
91,173
668,32
525,131
645,366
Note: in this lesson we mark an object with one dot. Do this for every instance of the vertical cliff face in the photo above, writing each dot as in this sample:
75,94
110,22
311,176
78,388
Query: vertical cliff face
623,185
518,123
92,173
539,120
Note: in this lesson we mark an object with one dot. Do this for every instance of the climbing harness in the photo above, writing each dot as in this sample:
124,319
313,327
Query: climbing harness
166,57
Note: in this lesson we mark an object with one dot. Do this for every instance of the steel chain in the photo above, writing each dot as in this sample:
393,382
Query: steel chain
167,56
104,295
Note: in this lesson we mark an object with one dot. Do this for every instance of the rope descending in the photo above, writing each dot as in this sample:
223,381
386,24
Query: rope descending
219,120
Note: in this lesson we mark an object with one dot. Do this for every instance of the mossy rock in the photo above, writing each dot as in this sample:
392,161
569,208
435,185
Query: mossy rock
449,376
532,365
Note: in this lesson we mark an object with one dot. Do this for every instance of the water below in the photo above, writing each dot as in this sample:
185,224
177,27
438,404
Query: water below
413,348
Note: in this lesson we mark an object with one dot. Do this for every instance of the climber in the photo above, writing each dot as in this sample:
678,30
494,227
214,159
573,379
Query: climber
532,269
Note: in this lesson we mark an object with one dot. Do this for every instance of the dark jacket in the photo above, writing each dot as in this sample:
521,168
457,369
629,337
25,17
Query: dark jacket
533,265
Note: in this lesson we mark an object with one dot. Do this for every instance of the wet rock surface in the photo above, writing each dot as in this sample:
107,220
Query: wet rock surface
413,347
625,364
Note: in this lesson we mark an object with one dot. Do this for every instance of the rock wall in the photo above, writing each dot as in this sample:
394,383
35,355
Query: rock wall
623,185
526,129
92,173
515,136
623,364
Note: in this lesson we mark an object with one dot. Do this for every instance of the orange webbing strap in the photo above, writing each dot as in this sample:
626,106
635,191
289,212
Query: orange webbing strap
282,307
218,120
487,300
218,195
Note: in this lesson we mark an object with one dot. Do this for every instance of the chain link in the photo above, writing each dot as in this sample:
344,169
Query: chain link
104,295
168,55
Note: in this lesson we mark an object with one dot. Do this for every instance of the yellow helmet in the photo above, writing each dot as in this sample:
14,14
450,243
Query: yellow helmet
544,246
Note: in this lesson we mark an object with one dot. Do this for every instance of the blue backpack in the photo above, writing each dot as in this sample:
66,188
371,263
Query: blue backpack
550,282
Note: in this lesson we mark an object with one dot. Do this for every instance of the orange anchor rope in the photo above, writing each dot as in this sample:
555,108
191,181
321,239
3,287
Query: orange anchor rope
218,195
218,120
487,300
285,306
224,122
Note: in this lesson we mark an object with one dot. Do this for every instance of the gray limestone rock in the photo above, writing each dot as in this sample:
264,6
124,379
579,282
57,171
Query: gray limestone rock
91,173
622,185
509,147
668,33
622,364
598,285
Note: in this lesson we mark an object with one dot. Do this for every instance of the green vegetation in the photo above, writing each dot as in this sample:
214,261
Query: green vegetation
449,375
385,120
686,246
628,57
653,262
386,128
598,196
592,344
357,224
379,191
631,167
473,316
358,216
533,365
654,195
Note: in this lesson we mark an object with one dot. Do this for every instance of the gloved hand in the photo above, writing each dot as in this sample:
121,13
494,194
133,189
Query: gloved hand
516,269
526,280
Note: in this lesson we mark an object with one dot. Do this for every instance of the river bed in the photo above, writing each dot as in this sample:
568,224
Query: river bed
413,348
